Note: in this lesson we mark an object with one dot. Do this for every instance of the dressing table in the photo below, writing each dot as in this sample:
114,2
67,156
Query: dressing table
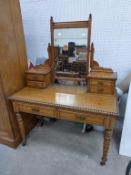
70,45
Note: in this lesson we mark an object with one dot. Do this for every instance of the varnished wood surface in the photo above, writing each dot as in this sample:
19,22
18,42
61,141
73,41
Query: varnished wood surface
38,76
5,127
39,69
75,24
71,103
68,96
103,75
102,82
13,63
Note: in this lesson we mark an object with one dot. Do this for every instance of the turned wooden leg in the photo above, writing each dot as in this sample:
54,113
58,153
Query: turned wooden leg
21,127
107,139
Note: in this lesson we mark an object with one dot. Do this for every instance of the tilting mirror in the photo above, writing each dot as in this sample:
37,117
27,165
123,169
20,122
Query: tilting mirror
70,44
70,52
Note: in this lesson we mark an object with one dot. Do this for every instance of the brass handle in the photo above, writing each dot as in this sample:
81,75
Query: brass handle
82,118
35,110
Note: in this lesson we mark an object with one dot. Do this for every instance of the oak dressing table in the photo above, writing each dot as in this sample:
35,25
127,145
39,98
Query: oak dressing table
72,103
68,103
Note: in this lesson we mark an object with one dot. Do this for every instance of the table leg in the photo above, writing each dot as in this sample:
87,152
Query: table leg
21,127
107,139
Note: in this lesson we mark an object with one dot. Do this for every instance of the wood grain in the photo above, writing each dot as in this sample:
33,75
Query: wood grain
13,63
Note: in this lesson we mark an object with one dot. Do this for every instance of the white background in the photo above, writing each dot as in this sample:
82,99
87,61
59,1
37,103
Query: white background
111,29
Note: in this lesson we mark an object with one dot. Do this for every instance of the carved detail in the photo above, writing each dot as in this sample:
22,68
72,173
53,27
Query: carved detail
78,108
48,61
94,64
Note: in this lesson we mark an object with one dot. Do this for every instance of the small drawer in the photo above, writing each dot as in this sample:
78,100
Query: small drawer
35,77
36,84
101,86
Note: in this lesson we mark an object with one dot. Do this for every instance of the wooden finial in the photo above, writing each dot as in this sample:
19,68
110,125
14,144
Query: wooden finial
48,44
49,49
92,55
51,19
49,54
92,46
90,17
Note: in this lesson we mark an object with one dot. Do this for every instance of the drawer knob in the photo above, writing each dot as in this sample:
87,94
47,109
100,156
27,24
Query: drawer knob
35,110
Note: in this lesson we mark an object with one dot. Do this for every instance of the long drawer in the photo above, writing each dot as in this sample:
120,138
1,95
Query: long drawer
81,117
37,109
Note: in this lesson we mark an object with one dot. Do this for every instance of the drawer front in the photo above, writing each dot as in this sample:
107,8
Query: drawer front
82,118
95,82
36,84
37,109
35,77
102,86
102,90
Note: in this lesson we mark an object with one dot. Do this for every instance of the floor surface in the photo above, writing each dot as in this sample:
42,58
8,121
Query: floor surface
59,148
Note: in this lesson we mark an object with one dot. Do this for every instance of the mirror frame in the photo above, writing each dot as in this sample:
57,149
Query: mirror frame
73,24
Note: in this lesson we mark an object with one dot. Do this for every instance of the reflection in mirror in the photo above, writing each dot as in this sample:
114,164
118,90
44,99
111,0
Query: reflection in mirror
70,52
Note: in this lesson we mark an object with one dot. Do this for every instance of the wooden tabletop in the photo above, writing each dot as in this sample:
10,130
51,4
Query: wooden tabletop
69,96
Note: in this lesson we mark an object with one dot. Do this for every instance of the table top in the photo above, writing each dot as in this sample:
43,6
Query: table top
74,97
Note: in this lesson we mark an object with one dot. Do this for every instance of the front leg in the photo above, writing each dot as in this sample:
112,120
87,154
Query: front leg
107,139
21,127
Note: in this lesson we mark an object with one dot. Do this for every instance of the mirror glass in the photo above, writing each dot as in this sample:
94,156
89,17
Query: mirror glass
70,52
